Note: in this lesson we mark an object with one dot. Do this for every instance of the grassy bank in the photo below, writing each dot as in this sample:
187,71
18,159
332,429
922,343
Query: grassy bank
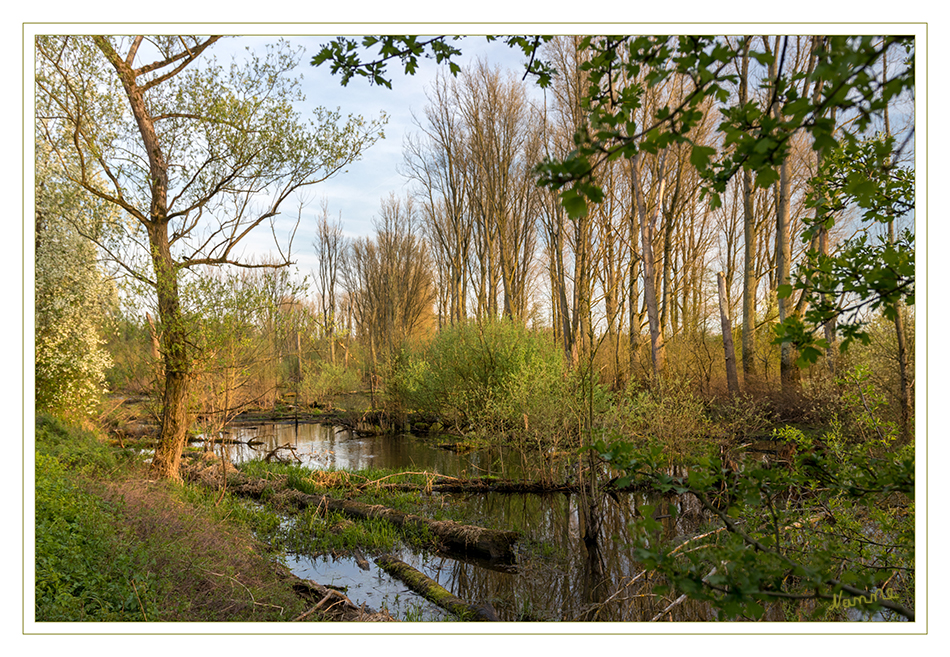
114,546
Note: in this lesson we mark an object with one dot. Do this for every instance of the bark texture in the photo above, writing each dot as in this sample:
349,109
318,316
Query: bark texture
732,376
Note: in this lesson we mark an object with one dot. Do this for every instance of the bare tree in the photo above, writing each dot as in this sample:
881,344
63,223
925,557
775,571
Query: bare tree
437,162
328,245
388,278
503,146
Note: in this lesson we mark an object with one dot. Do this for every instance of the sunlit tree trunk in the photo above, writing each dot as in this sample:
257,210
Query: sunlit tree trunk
732,376
175,349
647,228
899,316
749,278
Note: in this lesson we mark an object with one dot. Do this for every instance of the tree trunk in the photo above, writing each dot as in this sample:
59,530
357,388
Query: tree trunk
167,459
647,224
732,376
634,292
176,357
899,328
749,280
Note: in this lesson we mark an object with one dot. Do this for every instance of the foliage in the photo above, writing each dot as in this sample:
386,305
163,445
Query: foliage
878,361
197,155
865,423
841,84
84,569
113,548
874,273
244,325
328,380
228,133
133,370
755,138
670,416
345,59
493,373
389,280
71,296
834,525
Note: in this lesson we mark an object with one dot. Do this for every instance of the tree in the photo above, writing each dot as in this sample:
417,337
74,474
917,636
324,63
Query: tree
437,162
329,246
768,512
244,321
503,142
853,511
388,278
196,155
71,294
867,272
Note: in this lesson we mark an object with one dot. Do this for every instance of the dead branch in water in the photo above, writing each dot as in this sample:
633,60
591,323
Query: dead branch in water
273,453
333,604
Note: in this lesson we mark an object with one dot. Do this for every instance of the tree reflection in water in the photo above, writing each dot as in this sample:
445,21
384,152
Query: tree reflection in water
575,562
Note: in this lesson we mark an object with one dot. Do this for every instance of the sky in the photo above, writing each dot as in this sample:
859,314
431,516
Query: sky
354,195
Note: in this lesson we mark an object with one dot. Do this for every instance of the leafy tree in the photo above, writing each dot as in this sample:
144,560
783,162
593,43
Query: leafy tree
831,529
70,294
244,322
195,154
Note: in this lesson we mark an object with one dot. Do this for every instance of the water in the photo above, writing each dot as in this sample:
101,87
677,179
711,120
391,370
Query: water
322,446
557,576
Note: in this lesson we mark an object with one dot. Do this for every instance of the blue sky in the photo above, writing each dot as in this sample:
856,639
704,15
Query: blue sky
354,195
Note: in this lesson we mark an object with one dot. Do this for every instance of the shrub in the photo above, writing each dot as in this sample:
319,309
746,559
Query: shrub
494,373
669,415
320,385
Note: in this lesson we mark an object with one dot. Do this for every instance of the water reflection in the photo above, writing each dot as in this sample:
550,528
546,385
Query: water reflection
322,446
574,564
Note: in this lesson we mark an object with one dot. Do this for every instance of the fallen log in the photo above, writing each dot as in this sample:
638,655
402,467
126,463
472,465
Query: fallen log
492,485
452,536
433,592
481,486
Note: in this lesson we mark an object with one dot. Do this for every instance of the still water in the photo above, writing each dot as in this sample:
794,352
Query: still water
557,577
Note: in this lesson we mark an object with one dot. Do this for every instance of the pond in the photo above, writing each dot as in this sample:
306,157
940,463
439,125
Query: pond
556,577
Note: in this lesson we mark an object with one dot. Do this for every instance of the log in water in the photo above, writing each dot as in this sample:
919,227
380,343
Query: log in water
433,592
453,537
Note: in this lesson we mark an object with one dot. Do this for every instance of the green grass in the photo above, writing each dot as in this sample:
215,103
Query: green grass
111,545
85,569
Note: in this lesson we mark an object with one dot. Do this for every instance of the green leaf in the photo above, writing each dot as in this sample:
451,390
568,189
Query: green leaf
574,204
700,155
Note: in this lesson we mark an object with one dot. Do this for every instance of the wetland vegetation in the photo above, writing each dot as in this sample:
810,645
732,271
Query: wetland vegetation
512,402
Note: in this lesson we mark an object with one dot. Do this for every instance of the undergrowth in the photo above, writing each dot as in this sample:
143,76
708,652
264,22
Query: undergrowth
113,546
